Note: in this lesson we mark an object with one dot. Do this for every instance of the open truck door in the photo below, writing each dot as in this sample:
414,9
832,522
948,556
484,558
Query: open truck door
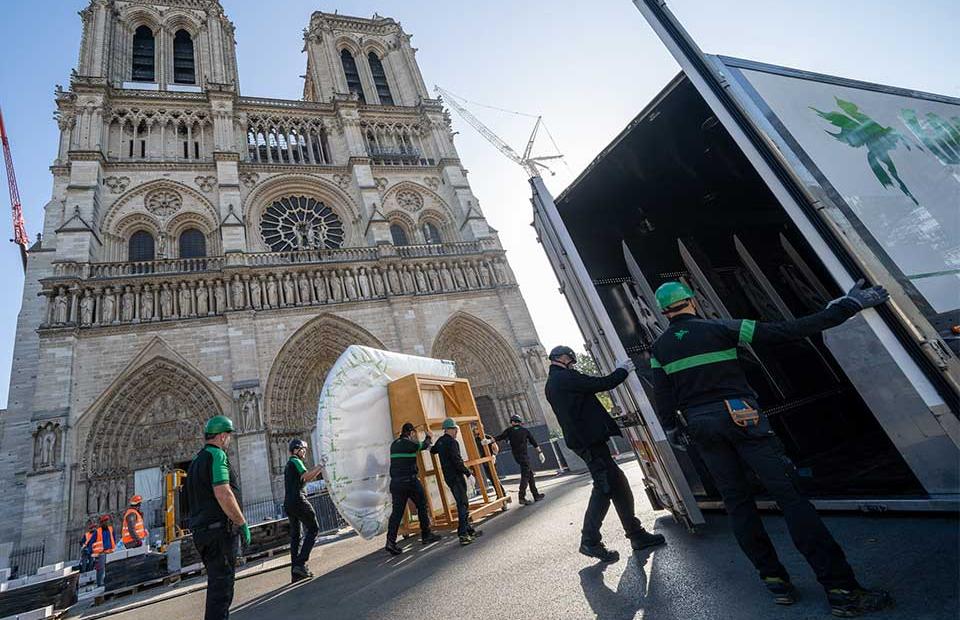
665,483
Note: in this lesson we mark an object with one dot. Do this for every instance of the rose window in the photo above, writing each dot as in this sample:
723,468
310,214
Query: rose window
163,202
300,223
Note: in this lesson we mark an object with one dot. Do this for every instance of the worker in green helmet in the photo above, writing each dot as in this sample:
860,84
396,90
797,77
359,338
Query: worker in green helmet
216,519
697,372
455,474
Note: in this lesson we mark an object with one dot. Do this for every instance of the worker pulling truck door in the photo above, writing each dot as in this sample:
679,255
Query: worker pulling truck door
697,372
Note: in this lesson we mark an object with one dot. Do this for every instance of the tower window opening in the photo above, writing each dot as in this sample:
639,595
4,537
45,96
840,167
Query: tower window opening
144,55
380,79
184,68
354,85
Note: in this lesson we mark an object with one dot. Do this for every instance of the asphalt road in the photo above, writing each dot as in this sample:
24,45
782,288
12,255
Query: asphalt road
527,566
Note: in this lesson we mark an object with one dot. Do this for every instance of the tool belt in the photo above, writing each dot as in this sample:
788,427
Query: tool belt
742,413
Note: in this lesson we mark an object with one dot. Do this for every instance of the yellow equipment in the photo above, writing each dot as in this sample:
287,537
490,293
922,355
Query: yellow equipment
172,530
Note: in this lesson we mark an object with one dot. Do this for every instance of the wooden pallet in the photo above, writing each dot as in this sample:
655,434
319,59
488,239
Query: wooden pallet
265,554
139,587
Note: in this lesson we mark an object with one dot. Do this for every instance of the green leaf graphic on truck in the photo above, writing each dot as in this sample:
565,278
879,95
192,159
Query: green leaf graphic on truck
941,137
859,130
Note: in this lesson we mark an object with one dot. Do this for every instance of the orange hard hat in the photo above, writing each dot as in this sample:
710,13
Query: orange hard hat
104,518
136,499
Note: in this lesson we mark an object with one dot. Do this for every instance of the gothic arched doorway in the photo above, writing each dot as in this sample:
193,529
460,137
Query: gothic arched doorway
297,377
151,419
484,357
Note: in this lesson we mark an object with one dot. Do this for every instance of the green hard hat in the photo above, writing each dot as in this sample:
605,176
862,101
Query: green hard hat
218,424
671,293
449,423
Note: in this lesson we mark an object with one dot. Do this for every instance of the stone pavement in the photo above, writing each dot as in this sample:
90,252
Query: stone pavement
526,566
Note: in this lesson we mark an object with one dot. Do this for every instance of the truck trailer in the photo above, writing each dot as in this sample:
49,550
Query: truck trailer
770,191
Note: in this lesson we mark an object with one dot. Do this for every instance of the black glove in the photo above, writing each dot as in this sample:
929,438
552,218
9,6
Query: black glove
867,297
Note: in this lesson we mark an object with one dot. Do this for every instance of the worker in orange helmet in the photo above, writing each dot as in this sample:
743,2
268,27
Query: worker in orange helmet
134,534
101,543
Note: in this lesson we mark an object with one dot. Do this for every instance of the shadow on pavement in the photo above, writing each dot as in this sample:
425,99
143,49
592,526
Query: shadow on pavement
629,597
353,589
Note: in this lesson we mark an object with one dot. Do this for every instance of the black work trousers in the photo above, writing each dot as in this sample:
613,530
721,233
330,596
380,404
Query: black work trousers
218,551
403,490
526,479
610,485
458,487
728,451
303,531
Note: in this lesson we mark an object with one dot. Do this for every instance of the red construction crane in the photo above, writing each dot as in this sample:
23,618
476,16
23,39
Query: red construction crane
19,228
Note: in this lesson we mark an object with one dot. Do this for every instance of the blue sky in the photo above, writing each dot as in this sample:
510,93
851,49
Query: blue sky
587,67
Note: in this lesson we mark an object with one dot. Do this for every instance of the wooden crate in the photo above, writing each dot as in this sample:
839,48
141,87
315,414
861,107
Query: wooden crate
426,401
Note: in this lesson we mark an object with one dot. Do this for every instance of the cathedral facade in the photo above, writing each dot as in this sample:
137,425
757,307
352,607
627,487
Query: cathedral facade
204,253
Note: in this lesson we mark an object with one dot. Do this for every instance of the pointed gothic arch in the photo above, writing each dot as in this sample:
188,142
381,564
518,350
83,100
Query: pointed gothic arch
301,367
484,357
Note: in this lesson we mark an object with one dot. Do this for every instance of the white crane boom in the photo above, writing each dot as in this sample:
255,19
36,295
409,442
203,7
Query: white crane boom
532,165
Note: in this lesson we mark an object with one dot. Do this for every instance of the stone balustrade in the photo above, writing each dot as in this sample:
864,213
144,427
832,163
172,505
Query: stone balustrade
105,294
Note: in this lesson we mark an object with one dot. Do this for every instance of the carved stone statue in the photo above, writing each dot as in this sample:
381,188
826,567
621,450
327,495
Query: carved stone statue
109,307
249,407
378,284
349,284
203,308
320,291
272,300
239,298
46,449
393,279
127,305
501,273
46,446
446,278
433,277
364,281
256,293
86,308
484,270
61,307
220,296
406,280
336,286
458,280
303,285
166,302
471,275
146,303
186,300
289,291
421,280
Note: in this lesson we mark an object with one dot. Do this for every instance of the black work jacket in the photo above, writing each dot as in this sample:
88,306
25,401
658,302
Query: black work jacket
573,397
518,437
403,457
696,361
451,462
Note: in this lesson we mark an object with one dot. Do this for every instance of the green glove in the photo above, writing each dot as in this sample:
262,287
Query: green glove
245,533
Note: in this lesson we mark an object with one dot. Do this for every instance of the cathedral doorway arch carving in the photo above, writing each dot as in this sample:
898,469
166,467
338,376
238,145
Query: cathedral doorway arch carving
297,377
484,357
152,417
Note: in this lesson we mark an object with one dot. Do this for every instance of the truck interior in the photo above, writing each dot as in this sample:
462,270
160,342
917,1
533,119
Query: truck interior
677,192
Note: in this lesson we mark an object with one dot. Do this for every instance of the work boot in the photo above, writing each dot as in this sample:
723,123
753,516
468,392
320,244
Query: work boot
392,548
538,497
466,540
475,533
646,539
600,552
524,501
429,537
782,590
856,602
298,572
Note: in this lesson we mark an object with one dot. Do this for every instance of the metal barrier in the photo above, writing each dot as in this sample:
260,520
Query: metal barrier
269,509
26,560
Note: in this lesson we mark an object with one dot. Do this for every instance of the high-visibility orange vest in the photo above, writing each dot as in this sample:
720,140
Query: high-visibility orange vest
141,531
98,547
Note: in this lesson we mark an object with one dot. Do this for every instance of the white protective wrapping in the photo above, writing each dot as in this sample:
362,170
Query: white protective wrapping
354,431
